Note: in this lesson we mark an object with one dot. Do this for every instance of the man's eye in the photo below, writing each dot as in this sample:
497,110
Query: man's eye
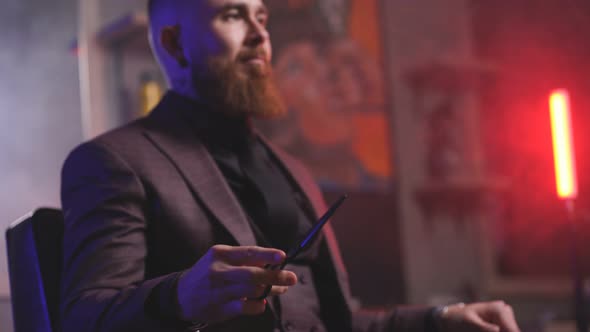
232,15
262,19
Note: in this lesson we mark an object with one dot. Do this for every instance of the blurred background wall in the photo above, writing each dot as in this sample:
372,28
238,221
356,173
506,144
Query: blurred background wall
466,209
39,108
537,47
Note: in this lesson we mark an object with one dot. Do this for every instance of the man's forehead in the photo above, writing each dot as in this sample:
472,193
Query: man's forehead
218,4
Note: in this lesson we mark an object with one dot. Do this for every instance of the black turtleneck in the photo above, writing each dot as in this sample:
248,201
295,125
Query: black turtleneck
263,187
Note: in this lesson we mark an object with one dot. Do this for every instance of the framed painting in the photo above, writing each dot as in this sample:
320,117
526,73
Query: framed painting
328,64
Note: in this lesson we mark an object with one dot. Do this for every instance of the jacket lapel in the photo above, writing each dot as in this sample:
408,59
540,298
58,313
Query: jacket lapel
314,197
304,182
175,138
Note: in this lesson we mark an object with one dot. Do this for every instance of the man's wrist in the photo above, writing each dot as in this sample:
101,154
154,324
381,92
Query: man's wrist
439,315
190,326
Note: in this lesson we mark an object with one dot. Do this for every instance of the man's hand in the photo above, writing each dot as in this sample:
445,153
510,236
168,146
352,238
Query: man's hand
218,287
494,316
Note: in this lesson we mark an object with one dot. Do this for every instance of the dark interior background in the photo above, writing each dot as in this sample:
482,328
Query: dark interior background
537,46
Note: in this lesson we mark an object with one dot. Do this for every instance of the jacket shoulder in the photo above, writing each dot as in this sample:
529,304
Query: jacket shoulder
112,146
121,136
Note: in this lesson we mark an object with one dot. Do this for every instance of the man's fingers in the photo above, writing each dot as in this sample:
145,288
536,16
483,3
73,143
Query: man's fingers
240,291
274,278
244,307
483,325
258,276
278,290
506,318
483,317
248,255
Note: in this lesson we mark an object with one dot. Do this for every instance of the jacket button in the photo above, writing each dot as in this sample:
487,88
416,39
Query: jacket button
289,326
302,279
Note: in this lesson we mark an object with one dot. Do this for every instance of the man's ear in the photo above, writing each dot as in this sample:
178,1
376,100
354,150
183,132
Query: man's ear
170,40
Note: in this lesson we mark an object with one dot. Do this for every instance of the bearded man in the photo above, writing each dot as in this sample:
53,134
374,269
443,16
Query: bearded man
170,220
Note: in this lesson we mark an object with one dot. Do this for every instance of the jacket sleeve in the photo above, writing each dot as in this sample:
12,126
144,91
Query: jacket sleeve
104,250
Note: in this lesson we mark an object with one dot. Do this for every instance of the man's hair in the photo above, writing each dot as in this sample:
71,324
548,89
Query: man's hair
158,7
164,12
151,6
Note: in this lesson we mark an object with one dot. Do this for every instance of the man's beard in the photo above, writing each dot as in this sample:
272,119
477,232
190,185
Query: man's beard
239,92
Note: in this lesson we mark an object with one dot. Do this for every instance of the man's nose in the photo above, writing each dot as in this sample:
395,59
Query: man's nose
257,33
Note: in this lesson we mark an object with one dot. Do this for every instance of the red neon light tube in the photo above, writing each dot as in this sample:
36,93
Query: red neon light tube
563,145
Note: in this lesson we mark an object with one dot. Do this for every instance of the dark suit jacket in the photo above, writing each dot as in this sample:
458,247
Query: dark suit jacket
144,202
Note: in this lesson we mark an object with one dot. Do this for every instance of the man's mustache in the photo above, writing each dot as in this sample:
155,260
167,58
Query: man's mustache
253,54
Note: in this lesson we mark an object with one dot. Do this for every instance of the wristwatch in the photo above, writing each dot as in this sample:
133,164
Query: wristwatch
438,313
196,327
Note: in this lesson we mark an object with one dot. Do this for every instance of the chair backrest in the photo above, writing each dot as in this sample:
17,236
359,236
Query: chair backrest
34,249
